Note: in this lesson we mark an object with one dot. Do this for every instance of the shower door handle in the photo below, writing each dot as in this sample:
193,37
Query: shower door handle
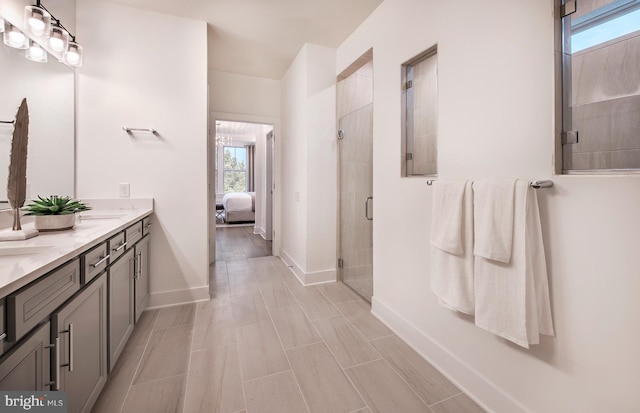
366,208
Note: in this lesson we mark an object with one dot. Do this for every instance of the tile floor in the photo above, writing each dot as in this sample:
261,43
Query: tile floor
265,343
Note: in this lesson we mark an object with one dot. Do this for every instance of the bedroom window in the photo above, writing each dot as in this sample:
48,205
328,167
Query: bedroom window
235,169
420,114
597,54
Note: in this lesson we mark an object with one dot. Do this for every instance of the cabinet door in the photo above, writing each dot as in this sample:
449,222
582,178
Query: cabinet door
27,366
142,276
121,307
81,327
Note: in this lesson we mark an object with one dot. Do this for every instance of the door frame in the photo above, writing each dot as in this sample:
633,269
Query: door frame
276,175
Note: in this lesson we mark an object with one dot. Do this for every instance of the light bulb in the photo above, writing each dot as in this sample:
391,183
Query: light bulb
36,52
16,38
73,57
36,24
56,44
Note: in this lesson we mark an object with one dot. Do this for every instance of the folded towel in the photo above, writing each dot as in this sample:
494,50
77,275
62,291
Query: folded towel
493,218
446,215
452,266
512,299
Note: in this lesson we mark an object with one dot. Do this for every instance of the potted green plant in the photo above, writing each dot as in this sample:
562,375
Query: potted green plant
54,213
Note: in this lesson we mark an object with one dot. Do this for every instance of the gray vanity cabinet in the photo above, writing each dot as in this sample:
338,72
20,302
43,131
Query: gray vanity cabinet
81,331
141,277
28,365
121,304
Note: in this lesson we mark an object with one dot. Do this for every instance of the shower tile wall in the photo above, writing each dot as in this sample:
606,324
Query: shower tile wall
606,106
355,116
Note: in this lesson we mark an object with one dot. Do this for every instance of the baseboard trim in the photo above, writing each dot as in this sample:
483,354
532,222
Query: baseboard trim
308,278
177,297
489,396
260,231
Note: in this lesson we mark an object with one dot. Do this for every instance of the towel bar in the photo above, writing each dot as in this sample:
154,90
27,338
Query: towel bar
535,184
8,121
541,184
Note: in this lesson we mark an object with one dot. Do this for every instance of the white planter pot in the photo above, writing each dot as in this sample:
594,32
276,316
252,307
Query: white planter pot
54,222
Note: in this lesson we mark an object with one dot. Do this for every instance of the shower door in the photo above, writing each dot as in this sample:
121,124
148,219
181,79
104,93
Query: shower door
355,246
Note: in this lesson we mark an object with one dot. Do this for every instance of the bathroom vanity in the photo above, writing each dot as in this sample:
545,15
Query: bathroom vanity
69,302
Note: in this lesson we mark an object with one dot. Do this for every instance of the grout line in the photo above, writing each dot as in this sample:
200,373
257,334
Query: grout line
161,379
267,376
446,398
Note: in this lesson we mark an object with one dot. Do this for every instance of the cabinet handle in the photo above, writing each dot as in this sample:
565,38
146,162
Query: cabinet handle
70,363
70,347
122,245
56,384
366,208
135,266
139,265
102,259
148,225
3,336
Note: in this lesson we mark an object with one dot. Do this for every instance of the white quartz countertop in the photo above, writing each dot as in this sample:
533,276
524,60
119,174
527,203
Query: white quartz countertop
22,262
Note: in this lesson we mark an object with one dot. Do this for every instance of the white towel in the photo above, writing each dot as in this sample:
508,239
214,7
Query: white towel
452,245
493,218
512,300
446,215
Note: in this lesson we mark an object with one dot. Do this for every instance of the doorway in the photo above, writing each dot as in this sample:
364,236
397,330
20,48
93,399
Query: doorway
355,176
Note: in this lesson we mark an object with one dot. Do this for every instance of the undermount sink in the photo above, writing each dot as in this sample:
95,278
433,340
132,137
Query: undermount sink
102,215
12,251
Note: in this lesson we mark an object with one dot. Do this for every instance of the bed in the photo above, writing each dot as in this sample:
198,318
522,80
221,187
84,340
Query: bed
239,207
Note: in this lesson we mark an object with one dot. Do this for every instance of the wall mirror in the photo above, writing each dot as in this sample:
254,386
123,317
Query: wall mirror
49,89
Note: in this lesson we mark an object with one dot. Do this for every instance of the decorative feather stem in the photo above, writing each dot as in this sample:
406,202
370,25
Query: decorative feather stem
17,182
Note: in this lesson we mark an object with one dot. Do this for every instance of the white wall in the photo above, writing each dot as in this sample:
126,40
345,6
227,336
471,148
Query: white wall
496,118
238,94
139,76
309,163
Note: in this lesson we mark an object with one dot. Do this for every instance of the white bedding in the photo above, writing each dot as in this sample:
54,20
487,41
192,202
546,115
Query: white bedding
238,202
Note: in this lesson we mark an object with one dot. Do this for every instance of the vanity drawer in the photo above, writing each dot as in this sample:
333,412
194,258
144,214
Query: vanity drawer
117,246
146,226
94,262
134,233
28,306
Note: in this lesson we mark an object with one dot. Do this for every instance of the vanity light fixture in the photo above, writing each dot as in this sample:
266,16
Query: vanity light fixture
40,23
36,53
74,54
37,21
13,37
58,40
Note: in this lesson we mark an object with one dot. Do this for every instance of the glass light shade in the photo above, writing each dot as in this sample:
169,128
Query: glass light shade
74,56
1,25
13,37
58,40
36,21
35,53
